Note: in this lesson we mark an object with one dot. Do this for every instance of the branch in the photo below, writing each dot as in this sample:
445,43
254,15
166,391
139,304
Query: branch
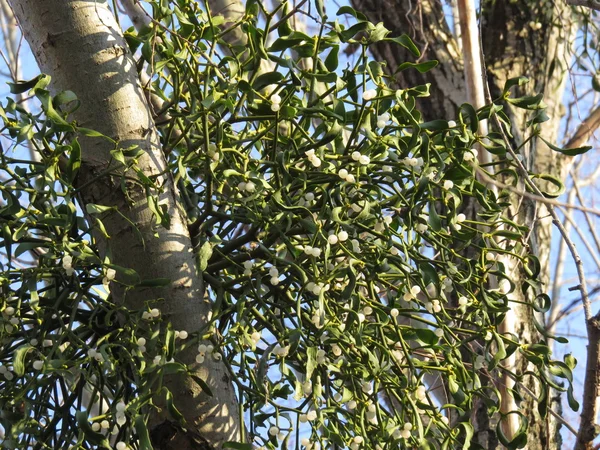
592,4
559,269
585,130
540,198
136,13
588,219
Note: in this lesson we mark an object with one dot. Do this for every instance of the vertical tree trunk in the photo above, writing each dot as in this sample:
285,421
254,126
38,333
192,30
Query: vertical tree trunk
81,46
542,55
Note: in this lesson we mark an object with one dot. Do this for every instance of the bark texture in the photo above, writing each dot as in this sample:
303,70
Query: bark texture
81,46
424,22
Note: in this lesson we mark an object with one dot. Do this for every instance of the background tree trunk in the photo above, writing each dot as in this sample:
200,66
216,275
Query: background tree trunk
80,45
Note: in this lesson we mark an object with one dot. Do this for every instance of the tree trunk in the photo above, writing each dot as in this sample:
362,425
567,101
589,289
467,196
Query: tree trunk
541,55
425,23
81,46
509,52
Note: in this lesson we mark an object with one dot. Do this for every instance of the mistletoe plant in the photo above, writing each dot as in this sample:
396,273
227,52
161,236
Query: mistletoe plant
351,287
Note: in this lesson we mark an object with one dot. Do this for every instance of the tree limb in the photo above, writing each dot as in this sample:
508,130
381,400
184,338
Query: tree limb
592,4
585,130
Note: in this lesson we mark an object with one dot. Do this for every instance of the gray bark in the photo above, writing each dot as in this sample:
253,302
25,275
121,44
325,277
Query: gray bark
542,56
81,46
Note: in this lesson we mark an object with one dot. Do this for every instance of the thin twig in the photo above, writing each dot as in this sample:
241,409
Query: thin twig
558,271
588,219
585,130
540,198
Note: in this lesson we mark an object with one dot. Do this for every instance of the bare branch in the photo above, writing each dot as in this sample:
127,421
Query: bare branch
559,270
588,219
585,130
585,241
536,197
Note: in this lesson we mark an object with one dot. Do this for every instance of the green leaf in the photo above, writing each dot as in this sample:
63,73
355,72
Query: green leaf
349,289
204,255
267,79
430,274
560,187
469,433
169,343
202,385
434,220
405,41
91,436
175,414
375,70
142,433
125,275
354,13
74,160
378,33
520,438
528,102
66,98
543,401
596,83
46,101
12,203
518,81
573,403
311,361
539,116
570,361
435,125
348,34
118,156
41,82
332,61
8,242
283,43
92,208
467,111
561,370
427,336
423,67
500,352
568,151
320,8
19,359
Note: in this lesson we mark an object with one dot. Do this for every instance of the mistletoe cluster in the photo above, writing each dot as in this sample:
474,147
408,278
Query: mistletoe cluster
347,247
